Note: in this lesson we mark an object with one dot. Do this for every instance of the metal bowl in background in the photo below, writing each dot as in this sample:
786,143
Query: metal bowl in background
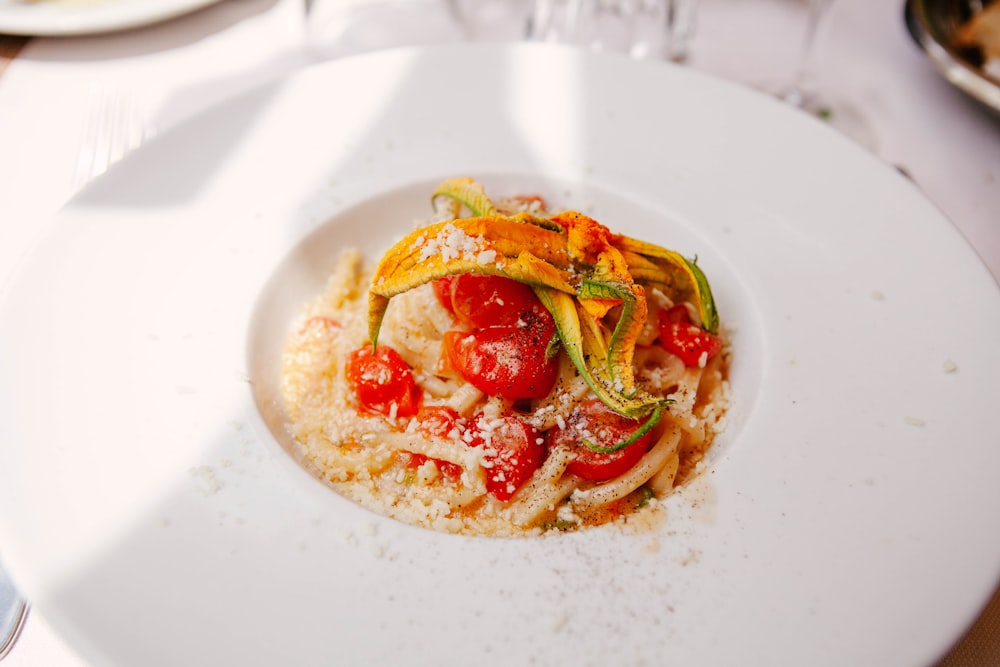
934,25
13,612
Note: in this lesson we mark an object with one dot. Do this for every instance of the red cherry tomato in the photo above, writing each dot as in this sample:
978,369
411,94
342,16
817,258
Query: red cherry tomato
383,382
440,421
531,199
509,362
594,422
680,337
319,324
514,450
452,471
482,302
437,420
443,288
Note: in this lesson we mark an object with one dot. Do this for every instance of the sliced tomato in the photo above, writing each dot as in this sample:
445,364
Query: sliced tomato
443,288
320,324
450,470
513,452
596,424
681,337
509,362
483,302
383,382
437,420
531,199
443,422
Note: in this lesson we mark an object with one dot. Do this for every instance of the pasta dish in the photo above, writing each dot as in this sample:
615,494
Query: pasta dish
507,370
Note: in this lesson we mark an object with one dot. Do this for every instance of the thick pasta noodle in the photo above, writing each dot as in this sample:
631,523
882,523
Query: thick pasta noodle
437,456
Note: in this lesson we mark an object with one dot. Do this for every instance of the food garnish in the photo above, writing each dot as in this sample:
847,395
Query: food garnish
593,282
535,371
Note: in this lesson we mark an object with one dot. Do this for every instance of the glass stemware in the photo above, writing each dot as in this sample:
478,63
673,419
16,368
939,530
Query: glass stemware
653,29
492,20
801,93
337,28
795,92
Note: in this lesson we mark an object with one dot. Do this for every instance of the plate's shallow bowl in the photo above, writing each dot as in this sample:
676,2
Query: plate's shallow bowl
841,519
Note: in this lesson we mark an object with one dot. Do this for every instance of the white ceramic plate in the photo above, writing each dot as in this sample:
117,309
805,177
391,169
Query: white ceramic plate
83,17
847,516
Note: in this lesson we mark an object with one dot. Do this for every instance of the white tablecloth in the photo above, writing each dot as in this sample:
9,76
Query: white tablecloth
948,144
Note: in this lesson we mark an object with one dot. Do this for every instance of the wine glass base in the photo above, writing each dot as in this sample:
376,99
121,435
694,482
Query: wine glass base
843,117
837,113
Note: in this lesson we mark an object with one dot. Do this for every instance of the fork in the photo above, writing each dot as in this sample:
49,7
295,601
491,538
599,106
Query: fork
114,126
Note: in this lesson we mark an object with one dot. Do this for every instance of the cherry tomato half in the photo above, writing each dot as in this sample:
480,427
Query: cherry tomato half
514,450
437,420
680,337
509,362
440,421
481,302
594,422
443,288
531,199
383,382
451,471
319,324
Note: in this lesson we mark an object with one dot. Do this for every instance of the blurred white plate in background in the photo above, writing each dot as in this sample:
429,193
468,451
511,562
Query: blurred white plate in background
82,17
